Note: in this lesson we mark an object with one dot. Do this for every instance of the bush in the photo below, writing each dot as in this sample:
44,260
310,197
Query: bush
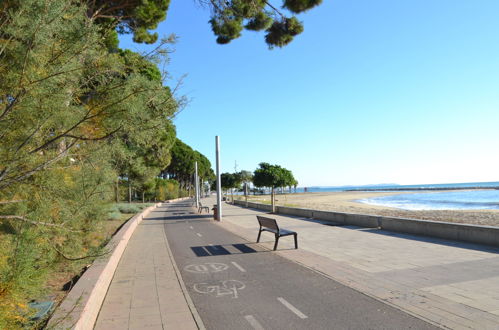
128,208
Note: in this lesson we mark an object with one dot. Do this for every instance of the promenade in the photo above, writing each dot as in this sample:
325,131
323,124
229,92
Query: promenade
449,284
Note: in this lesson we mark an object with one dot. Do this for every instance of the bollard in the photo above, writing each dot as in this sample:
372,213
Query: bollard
215,212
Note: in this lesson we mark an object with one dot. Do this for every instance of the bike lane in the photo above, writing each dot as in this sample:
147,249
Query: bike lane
236,284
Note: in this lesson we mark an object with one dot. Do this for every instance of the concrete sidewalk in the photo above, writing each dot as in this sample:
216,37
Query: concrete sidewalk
450,284
146,291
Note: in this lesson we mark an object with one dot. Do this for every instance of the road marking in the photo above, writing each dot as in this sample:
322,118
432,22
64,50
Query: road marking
254,323
292,308
224,288
238,266
191,227
209,267
199,234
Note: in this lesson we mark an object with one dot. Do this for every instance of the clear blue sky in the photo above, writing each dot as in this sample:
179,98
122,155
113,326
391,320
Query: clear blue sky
384,91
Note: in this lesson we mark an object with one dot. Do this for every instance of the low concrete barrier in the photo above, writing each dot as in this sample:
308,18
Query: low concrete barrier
80,308
253,205
452,231
335,217
307,213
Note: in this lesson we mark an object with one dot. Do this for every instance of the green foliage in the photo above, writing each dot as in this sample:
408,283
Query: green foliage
181,167
282,32
230,180
167,189
228,28
74,114
130,16
261,21
272,176
230,17
298,6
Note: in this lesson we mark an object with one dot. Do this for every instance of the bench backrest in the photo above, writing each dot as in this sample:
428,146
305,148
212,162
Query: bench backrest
267,222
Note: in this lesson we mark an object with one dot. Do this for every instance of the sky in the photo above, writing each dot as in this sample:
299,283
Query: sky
384,91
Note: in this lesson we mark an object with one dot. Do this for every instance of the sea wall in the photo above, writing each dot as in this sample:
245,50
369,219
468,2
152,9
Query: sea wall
452,231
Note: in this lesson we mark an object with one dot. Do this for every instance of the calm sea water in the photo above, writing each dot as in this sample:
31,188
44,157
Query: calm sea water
446,200
402,187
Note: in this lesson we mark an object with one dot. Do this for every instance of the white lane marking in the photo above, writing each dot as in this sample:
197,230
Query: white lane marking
210,244
199,234
191,227
254,323
238,266
213,267
292,308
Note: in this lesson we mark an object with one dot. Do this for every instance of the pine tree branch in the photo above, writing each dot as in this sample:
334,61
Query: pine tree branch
79,258
18,217
12,201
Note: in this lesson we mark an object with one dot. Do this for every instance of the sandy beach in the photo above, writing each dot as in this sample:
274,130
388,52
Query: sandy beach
346,201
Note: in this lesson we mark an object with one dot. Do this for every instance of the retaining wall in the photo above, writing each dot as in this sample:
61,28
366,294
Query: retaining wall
453,231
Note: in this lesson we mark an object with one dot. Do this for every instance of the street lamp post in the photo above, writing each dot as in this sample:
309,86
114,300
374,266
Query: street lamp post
219,182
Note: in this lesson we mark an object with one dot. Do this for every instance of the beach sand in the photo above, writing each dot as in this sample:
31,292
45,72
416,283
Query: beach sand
345,201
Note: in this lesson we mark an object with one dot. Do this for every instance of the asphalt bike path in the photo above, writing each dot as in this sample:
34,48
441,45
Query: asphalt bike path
236,284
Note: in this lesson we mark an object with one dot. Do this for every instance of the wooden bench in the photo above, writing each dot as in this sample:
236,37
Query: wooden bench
201,208
268,224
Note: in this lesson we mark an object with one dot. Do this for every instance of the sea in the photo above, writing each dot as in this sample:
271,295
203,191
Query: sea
434,197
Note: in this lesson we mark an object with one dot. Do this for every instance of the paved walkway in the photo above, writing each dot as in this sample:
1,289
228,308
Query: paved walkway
146,292
451,284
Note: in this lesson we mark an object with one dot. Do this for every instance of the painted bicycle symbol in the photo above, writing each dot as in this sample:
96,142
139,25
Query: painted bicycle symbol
225,288
209,267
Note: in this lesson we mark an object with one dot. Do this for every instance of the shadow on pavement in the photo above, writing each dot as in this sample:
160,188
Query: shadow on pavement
220,250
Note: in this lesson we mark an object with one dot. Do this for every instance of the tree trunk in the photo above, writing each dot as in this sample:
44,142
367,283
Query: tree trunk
143,197
129,191
117,189
246,193
272,198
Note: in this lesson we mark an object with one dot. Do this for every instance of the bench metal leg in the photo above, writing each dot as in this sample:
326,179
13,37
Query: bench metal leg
296,241
258,238
276,241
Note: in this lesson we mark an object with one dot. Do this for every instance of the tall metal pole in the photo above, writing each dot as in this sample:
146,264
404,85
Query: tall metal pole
219,181
196,185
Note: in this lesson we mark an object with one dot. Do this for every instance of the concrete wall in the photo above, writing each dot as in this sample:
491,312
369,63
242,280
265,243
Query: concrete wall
452,231
307,213
253,205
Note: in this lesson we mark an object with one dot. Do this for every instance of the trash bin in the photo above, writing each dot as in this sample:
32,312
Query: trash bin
215,212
